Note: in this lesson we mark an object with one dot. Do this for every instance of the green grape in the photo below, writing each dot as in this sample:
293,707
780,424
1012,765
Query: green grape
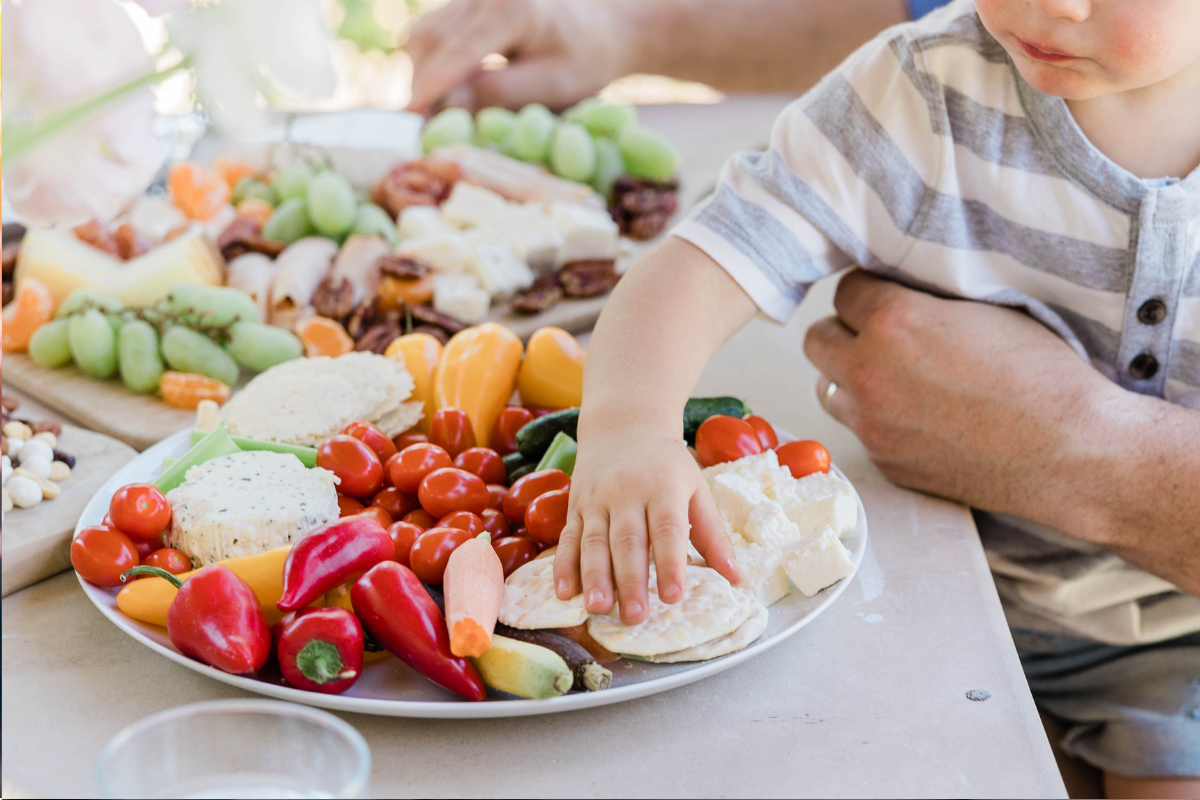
50,346
117,320
93,344
180,301
573,152
223,305
494,124
609,166
331,204
289,222
292,181
373,219
188,351
647,154
452,126
140,363
79,298
252,187
261,347
529,137
607,119
575,112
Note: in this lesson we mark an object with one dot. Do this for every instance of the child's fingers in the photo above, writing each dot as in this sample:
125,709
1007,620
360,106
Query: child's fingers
566,559
669,528
710,538
595,565
628,544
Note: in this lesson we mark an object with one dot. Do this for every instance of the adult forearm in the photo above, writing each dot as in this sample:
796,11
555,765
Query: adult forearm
765,45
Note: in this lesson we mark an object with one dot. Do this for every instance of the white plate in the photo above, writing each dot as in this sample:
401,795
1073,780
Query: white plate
391,688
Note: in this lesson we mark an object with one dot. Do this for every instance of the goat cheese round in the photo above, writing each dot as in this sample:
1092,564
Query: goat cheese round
248,503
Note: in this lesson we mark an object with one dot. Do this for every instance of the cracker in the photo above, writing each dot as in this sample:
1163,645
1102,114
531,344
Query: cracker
746,634
530,603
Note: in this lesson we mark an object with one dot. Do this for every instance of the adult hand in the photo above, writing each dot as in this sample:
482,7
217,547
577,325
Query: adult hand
558,51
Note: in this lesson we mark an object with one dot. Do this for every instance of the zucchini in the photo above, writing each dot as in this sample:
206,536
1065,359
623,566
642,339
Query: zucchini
536,436
523,669
520,472
699,409
589,675
307,455
560,455
513,462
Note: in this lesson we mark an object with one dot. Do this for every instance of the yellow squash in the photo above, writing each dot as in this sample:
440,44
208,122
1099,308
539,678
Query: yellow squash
421,354
477,373
552,374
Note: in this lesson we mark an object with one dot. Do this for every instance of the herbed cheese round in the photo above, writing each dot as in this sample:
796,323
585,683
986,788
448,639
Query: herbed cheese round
248,503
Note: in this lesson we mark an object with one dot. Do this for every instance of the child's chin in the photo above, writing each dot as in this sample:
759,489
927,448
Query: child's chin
1060,81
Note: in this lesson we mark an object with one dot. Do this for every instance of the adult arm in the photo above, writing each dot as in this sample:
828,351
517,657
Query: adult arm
984,405
560,51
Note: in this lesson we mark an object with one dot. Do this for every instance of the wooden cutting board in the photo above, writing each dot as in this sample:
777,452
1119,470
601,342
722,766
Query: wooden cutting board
37,540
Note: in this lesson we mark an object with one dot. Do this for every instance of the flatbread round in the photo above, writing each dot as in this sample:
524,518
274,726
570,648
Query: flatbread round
747,633
530,603
710,608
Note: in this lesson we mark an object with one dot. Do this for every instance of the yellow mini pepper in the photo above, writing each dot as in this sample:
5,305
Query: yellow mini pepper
552,374
421,354
477,373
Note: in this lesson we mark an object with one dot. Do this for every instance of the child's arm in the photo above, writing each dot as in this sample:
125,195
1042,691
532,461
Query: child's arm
635,483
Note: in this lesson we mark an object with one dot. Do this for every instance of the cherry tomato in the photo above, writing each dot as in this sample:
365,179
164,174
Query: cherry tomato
803,458
395,502
764,431
483,462
496,495
452,489
495,523
375,512
421,518
521,531
107,521
504,432
724,438
547,516
432,550
471,523
526,489
451,429
387,469
170,559
101,555
514,551
145,546
415,462
538,413
140,511
370,435
356,465
408,438
403,535
348,506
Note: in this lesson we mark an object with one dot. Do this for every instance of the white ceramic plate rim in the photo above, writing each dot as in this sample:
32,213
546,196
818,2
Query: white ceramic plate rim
448,709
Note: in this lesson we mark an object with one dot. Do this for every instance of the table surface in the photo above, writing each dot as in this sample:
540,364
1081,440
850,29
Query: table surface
870,699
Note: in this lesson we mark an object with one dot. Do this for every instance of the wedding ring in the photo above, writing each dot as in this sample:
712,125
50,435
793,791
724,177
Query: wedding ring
827,401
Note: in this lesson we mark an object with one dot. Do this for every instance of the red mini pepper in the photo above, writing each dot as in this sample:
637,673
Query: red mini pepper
320,649
397,611
216,619
329,555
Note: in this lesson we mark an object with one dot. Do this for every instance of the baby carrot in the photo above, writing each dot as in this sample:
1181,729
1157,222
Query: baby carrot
473,585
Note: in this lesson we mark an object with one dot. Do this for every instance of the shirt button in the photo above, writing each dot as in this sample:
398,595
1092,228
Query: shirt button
1143,367
1152,312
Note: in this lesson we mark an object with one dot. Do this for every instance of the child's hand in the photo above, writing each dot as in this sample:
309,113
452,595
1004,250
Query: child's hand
636,486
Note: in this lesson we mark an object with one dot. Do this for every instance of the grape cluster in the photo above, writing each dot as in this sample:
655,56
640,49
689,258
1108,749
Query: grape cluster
206,330
594,142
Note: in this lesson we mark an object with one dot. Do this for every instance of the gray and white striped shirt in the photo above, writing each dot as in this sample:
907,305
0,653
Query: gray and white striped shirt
926,158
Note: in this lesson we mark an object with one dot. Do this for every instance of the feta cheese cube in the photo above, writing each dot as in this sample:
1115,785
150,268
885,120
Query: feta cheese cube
460,296
498,270
417,221
587,232
766,524
762,572
817,562
443,252
755,468
736,496
536,234
821,499
469,205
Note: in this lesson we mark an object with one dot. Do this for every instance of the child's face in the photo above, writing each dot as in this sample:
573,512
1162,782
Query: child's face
1079,49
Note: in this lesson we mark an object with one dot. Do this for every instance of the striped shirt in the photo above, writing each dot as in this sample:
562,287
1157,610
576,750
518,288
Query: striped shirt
926,158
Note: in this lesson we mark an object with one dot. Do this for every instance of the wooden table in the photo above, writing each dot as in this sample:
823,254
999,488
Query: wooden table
869,700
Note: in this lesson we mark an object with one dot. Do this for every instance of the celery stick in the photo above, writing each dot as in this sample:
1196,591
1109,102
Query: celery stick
307,455
213,444
560,454
168,461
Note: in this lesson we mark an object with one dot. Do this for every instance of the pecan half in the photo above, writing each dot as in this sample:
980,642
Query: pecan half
335,302
588,278
377,338
545,293
426,314
434,331
415,183
363,317
130,243
244,235
402,267
642,208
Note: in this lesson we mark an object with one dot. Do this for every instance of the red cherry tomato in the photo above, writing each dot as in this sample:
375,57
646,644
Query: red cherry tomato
168,558
403,535
107,521
356,465
522,532
764,431
415,462
496,495
514,551
387,469
101,555
409,438
803,458
145,546
471,523
377,513
495,523
451,429
533,485
452,489
370,435
140,511
483,462
348,506
395,502
724,438
547,516
432,550
504,432
421,518
538,413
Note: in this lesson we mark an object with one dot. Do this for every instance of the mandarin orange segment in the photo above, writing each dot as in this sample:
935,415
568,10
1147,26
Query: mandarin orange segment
231,170
324,337
256,209
186,389
197,191
32,308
